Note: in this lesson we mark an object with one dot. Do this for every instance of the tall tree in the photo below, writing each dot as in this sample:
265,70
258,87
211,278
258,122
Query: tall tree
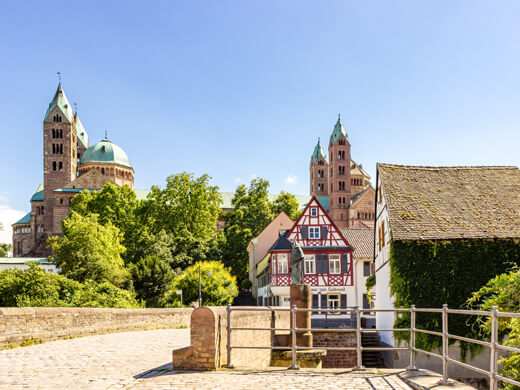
251,213
152,279
187,209
288,204
90,251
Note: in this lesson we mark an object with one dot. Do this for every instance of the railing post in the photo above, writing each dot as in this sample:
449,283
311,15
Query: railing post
228,344
294,365
358,340
445,379
493,365
412,366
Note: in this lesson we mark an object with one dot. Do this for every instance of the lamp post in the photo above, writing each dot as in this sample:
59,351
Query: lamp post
209,273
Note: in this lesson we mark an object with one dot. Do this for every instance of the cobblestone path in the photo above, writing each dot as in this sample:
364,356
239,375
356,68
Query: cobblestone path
140,360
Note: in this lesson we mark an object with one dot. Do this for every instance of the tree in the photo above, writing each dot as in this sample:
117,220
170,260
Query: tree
187,209
251,213
504,292
218,286
152,279
4,248
37,287
89,251
288,204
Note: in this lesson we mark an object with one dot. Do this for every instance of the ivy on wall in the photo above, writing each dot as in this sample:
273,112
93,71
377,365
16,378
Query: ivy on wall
428,274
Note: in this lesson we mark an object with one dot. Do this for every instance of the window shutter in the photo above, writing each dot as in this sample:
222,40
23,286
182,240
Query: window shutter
344,263
315,302
343,301
366,268
323,301
366,304
323,264
305,232
324,231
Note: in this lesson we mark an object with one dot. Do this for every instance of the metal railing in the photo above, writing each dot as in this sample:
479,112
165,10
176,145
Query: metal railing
493,344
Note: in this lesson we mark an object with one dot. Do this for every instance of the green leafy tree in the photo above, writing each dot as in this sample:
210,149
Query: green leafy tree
288,204
89,251
218,286
187,209
251,213
37,287
152,280
4,248
504,292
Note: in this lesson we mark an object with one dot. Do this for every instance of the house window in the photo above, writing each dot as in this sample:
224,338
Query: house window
334,264
314,211
309,264
333,301
366,268
283,267
314,232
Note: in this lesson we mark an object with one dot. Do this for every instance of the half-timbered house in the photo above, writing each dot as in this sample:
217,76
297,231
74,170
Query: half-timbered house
327,265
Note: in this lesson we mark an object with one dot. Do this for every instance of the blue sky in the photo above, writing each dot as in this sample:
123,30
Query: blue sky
243,88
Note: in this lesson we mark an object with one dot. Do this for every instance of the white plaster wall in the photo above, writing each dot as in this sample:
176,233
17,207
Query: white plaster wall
48,267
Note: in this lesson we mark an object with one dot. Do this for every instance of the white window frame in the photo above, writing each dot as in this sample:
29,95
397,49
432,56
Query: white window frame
314,232
282,265
334,264
309,264
331,301
314,211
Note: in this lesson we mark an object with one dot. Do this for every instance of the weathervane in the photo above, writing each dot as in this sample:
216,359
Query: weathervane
76,107
59,76
106,134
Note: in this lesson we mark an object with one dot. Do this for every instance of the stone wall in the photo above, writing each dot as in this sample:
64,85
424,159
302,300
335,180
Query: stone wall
336,359
209,339
54,323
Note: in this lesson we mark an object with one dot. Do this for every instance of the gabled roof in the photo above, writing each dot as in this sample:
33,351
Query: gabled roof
318,152
60,100
428,203
362,240
25,219
338,130
358,196
303,200
357,169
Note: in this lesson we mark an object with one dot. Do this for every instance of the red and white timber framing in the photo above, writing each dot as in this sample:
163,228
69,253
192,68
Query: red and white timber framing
317,235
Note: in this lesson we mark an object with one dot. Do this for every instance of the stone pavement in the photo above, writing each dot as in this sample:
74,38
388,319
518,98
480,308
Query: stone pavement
141,360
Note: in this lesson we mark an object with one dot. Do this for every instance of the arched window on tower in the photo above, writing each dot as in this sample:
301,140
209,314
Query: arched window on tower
102,171
61,133
54,165
60,167
61,148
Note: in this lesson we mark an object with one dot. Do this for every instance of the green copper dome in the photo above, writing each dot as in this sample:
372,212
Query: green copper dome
105,151
338,130
318,152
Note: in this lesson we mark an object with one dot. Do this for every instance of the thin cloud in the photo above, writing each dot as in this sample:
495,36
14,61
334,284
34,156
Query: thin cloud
8,216
291,179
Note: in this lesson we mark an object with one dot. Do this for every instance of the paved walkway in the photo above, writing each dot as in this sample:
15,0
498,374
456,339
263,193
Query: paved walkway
141,360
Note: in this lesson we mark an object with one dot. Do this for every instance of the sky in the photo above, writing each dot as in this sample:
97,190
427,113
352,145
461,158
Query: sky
243,89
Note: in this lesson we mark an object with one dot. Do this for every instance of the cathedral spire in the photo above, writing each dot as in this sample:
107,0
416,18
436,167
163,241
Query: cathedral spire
318,152
338,130
60,100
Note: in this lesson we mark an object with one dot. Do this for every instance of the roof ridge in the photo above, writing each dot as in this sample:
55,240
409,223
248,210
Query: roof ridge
425,167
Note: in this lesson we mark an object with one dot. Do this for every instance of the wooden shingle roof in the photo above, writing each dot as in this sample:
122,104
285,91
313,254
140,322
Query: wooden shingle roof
428,203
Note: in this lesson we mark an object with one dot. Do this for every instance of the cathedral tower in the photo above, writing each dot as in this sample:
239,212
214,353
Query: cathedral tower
339,175
60,156
319,172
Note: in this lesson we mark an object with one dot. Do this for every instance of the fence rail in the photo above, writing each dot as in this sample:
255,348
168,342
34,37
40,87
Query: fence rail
493,344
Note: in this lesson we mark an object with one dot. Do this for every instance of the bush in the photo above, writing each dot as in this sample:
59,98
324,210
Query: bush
37,287
218,286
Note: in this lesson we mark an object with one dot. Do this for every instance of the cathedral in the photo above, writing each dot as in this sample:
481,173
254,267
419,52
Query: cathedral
341,183
70,165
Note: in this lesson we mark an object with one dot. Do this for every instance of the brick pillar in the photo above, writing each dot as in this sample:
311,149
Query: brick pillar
301,297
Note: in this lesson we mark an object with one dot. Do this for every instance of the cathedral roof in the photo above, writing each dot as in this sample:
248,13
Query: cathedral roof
25,219
38,194
105,151
338,130
60,100
318,152
80,130
442,203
